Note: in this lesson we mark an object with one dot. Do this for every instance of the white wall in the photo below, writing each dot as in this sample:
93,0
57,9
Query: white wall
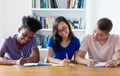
11,15
1,22
97,9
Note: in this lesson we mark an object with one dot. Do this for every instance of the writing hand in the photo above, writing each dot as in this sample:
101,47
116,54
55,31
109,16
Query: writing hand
65,62
21,61
91,62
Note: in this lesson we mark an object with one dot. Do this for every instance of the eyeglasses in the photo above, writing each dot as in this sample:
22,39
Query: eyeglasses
64,28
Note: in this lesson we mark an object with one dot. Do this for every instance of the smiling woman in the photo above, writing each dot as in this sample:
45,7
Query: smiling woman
62,42
21,48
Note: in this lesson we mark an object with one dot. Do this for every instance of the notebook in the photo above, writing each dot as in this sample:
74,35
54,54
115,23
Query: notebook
45,64
100,64
71,64
37,64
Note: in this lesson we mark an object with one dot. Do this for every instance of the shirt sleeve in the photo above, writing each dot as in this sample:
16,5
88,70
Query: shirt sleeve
34,43
84,44
50,42
77,44
117,43
3,46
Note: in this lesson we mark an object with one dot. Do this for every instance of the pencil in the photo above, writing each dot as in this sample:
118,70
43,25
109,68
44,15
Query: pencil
66,56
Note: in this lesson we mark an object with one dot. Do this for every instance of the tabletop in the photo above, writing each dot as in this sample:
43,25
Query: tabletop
78,70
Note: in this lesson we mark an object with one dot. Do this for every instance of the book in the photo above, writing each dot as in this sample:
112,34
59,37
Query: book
61,3
37,64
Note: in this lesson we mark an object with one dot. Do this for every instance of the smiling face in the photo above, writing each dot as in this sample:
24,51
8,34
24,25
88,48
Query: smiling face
63,30
99,34
24,36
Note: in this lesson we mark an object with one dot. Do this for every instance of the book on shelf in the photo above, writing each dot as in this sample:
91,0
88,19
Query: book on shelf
43,22
37,37
43,4
33,3
42,40
61,3
58,4
80,4
51,20
38,3
76,24
47,22
82,23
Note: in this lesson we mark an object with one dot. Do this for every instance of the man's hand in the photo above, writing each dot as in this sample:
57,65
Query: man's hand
112,63
91,62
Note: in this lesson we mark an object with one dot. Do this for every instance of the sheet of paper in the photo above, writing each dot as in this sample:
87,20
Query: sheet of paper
100,64
37,64
44,64
71,64
30,64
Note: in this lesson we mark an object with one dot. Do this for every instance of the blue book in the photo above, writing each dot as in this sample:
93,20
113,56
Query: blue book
44,42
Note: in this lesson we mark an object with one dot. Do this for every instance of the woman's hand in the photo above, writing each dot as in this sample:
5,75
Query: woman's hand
65,62
21,61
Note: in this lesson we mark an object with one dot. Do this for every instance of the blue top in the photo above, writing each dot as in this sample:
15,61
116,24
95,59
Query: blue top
70,49
9,47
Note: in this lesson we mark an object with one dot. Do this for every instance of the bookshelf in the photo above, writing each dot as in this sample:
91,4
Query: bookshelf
76,15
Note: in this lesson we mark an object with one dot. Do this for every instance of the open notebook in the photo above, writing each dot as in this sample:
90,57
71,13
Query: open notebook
99,64
37,64
45,64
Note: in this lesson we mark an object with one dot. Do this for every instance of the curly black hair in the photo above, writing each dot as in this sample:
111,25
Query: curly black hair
31,23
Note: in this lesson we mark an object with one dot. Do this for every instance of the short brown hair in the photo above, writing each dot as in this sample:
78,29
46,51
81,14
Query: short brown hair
105,24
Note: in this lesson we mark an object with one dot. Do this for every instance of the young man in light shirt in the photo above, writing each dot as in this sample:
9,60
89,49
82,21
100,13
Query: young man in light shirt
101,46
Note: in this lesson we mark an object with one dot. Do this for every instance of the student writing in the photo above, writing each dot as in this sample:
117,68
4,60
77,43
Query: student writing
21,48
63,44
100,45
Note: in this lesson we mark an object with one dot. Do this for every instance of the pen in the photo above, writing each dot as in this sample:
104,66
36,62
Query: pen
97,63
22,55
66,56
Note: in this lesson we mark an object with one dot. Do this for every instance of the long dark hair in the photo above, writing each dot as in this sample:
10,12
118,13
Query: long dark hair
57,37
